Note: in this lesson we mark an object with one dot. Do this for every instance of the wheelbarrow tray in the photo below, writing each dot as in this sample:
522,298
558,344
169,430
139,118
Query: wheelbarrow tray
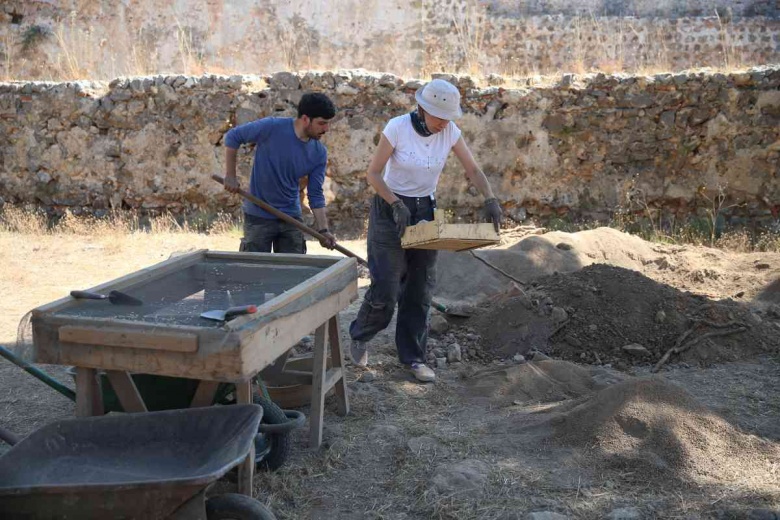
124,466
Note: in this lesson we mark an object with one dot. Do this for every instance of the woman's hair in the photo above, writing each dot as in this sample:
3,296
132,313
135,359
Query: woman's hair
316,104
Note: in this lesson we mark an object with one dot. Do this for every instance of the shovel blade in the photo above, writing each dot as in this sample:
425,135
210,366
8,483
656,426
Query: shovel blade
120,298
214,315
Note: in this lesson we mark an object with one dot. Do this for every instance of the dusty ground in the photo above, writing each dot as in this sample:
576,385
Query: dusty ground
597,436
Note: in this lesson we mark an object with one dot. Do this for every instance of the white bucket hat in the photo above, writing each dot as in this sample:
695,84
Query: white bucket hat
440,99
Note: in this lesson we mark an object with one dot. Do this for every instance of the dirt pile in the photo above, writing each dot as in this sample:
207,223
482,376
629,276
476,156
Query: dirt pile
543,382
475,276
653,426
606,314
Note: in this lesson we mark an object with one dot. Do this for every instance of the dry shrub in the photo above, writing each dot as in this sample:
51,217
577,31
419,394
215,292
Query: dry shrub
14,219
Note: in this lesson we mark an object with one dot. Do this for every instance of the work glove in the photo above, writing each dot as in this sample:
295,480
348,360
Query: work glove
402,216
493,212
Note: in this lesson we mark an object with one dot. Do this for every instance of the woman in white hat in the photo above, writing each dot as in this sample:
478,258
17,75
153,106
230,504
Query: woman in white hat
404,172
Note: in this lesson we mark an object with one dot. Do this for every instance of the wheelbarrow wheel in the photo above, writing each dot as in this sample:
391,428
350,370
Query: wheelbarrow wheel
271,449
232,506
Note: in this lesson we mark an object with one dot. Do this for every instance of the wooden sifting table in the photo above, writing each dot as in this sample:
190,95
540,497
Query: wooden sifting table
295,294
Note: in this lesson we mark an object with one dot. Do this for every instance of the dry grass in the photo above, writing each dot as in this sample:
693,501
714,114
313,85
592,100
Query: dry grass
30,221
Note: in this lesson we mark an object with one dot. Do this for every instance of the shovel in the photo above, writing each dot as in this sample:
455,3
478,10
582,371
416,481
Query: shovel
115,297
346,252
232,312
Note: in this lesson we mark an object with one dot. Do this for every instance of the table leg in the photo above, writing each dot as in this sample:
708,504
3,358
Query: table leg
204,395
337,361
89,398
246,470
125,389
317,391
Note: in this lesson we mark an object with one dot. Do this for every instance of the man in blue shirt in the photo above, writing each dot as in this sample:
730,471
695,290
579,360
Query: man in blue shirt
286,151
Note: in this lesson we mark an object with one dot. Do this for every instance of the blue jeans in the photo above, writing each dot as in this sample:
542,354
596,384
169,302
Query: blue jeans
403,276
263,234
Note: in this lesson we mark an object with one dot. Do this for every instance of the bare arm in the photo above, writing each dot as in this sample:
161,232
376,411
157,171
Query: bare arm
320,218
231,182
474,173
383,152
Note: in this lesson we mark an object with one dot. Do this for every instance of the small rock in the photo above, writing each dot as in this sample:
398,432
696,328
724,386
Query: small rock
563,246
461,477
518,358
386,430
625,513
367,377
754,318
762,514
559,315
439,325
774,311
635,349
441,362
573,341
454,353
545,515
660,316
539,356
762,266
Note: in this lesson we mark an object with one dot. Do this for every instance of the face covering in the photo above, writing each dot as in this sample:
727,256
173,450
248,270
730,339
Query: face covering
418,123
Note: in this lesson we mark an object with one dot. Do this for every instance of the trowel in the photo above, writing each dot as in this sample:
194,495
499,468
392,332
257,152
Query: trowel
115,297
232,312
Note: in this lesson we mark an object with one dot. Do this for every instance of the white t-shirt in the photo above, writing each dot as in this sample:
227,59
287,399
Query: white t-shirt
414,167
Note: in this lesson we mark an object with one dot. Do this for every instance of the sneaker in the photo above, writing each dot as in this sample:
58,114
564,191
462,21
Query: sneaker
423,373
358,352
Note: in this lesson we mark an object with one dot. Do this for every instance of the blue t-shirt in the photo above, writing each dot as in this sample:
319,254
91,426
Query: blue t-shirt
281,160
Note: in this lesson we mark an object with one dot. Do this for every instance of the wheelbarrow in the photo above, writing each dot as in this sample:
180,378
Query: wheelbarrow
272,443
153,465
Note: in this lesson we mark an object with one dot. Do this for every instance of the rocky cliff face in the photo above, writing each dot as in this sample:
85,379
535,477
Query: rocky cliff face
584,145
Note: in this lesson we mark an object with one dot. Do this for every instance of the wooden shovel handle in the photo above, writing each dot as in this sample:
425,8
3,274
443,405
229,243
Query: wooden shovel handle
287,218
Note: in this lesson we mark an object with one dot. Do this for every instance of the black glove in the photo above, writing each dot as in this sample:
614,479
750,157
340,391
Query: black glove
402,217
493,212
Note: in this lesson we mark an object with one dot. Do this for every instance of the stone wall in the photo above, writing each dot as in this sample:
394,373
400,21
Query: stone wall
103,39
638,8
580,146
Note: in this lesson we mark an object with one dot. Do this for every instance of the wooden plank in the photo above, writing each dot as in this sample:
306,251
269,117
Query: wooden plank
455,237
88,395
332,377
299,291
337,360
317,388
264,345
276,258
144,275
118,337
126,391
204,395
246,470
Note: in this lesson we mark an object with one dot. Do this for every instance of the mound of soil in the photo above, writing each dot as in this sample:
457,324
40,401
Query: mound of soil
543,382
607,314
653,425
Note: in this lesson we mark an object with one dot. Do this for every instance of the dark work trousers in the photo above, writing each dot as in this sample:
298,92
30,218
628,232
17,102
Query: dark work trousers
405,276
261,235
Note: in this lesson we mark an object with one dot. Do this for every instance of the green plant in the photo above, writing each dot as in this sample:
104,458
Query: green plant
716,204
34,35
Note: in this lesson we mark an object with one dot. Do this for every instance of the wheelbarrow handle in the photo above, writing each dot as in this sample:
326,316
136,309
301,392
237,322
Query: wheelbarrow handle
43,376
